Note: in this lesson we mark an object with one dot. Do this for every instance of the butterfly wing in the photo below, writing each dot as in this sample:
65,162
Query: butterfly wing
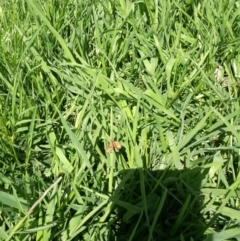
109,147
117,146
113,146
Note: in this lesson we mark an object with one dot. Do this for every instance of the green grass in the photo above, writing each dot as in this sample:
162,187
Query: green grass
161,78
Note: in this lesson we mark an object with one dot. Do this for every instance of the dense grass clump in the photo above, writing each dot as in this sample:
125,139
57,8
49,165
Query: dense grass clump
119,120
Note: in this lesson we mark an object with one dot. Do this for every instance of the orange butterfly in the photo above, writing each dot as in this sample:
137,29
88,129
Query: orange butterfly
113,146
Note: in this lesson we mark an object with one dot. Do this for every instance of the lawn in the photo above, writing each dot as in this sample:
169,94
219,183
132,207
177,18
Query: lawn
119,120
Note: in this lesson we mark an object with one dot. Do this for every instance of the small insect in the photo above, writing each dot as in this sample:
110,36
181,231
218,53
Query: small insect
113,146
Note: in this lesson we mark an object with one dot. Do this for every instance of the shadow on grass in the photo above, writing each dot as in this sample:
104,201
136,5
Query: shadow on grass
159,205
